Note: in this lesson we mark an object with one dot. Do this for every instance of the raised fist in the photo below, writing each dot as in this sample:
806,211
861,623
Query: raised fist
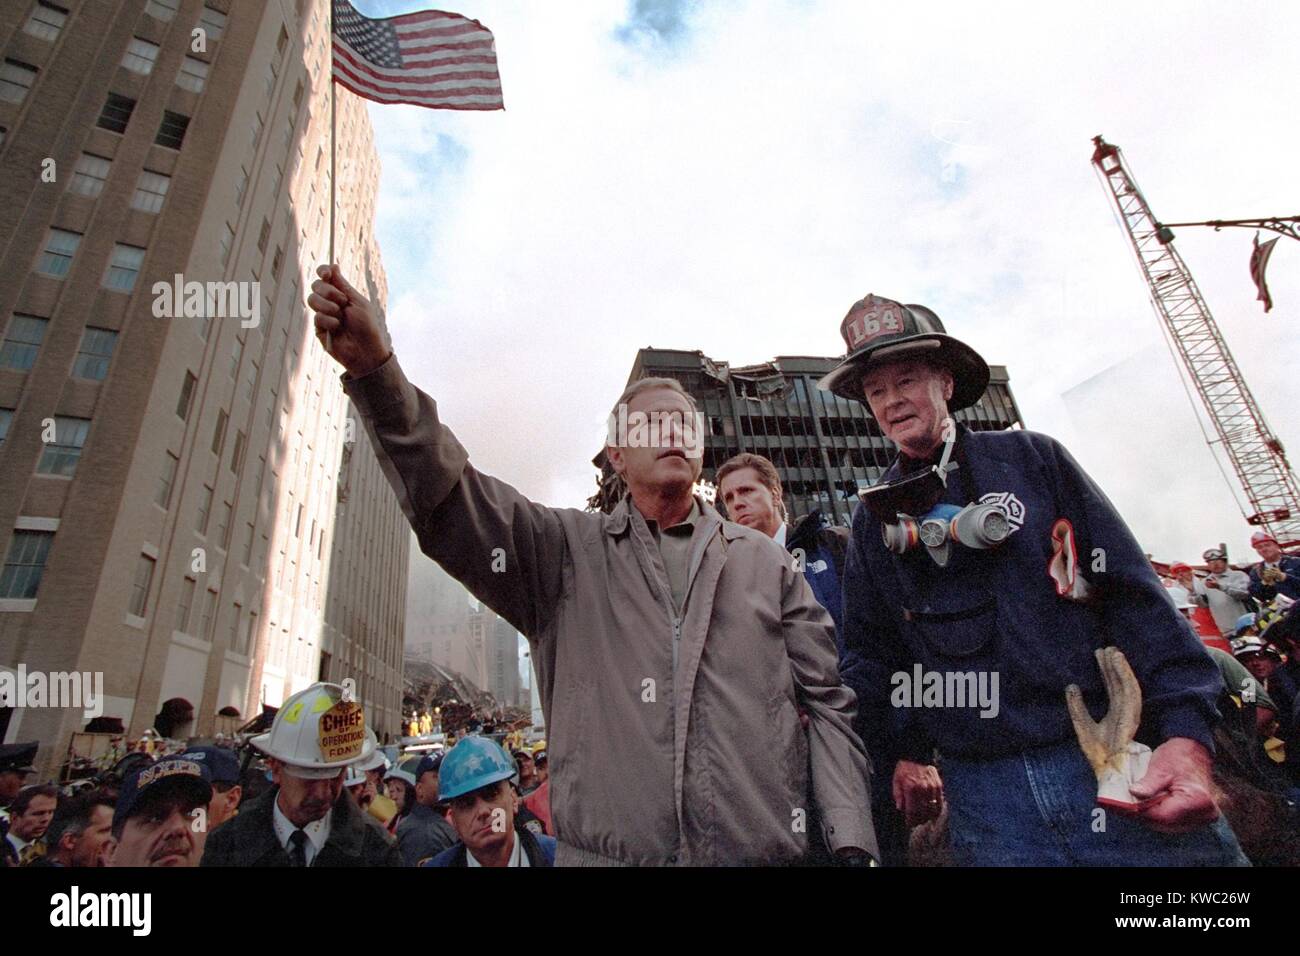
346,324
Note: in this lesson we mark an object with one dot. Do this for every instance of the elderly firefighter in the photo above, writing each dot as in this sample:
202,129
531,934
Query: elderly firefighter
307,819
989,562
673,649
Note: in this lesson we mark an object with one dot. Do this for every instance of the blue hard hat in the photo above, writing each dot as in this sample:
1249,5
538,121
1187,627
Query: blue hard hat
1243,622
473,763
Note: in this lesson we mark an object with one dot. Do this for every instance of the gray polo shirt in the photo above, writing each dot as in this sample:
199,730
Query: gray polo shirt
675,551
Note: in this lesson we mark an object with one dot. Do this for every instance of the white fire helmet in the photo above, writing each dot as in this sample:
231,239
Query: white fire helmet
356,774
317,733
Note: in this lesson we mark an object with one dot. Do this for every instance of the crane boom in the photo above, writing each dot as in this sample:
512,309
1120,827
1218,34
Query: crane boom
1256,454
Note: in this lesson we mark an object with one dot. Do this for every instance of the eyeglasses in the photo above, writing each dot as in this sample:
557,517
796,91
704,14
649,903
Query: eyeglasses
916,494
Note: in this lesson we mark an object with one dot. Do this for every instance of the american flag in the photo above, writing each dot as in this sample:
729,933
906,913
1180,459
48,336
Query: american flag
435,59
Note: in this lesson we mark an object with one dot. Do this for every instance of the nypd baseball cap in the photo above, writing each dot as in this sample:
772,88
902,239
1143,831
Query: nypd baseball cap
169,776
222,762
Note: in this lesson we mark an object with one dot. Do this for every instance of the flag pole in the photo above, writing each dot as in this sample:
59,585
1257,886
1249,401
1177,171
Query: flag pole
333,137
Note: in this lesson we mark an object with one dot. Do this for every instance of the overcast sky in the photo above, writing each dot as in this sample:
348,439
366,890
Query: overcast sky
731,177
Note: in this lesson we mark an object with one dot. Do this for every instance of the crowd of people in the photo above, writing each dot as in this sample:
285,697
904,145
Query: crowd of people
984,669
281,800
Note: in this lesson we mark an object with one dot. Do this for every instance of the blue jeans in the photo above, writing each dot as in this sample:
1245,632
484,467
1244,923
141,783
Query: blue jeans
1039,809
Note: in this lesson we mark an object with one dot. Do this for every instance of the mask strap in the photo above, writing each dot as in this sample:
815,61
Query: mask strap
951,427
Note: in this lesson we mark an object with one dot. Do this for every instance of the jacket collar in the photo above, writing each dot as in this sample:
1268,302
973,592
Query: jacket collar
346,827
805,529
619,519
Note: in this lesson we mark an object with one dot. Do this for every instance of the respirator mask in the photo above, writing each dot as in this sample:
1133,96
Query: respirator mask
977,526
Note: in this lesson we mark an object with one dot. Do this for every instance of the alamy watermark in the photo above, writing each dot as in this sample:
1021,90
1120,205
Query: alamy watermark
54,689
948,689
664,429
208,300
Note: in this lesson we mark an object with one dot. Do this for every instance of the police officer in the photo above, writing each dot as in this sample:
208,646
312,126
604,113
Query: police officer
306,819
1005,573
159,818
15,765
425,832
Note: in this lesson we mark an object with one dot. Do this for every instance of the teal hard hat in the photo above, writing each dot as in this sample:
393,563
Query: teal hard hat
473,763
1243,622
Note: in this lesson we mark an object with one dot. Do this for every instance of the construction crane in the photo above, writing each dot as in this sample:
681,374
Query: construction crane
1256,453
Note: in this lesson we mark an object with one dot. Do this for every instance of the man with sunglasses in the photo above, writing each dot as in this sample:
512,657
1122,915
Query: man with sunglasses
992,557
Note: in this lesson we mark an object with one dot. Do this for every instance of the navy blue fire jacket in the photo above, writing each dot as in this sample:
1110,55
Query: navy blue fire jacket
999,610
1290,566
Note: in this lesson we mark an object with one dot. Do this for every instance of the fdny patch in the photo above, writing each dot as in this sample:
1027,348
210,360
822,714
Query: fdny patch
1010,505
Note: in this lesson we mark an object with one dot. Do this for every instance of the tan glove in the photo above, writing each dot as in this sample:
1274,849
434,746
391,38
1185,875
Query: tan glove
1272,575
1116,758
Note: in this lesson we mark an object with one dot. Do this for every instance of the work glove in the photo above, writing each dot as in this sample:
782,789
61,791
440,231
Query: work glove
1272,575
1116,759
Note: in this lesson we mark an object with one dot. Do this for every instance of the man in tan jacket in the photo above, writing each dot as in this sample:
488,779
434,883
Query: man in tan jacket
673,649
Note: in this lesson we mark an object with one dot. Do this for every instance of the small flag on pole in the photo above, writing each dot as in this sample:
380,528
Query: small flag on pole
434,59
1258,263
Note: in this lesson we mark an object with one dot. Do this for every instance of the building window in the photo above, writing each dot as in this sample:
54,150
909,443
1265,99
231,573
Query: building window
236,356
276,182
248,546
227,243
89,176
92,358
60,456
162,9
205,510
23,566
7,415
213,21
192,75
219,433
123,267
241,185
237,456
150,191
233,642
171,131
22,341
264,235
46,21
187,396
116,113
16,78
281,41
223,527
59,250
140,56
246,631
297,96
166,482
276,262
209,616
258,124
140,587
184,606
